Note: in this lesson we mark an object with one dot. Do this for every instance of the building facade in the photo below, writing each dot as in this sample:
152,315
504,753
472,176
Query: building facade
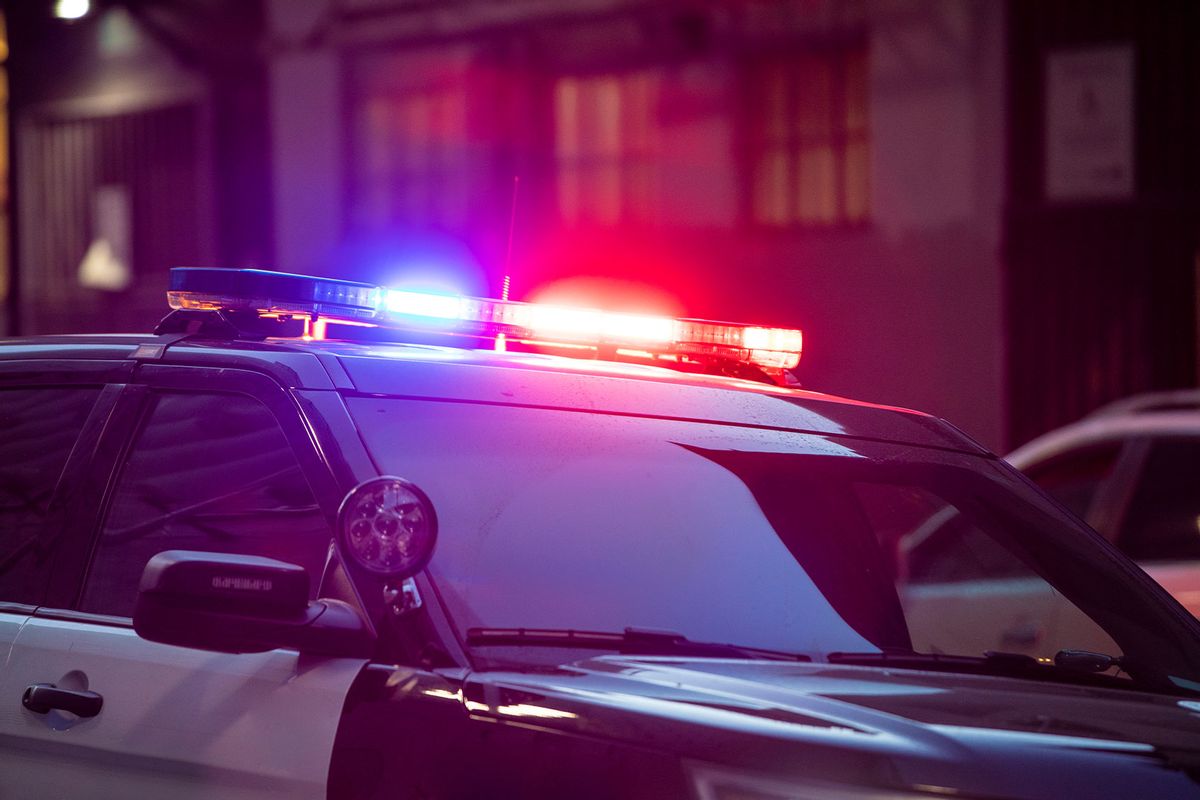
1102,221
139,142
835,165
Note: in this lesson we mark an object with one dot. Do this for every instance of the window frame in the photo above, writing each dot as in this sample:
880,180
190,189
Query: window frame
634,168
315,423
756,144
155,378
89,464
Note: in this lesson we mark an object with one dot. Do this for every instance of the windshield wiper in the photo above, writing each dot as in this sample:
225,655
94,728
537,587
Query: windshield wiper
639,641
1068,666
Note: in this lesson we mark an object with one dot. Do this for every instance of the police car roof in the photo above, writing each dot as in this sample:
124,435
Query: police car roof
527,379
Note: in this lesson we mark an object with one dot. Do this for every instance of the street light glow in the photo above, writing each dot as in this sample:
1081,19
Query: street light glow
72,9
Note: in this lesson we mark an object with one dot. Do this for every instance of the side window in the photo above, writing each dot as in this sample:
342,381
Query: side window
1163,520
38,428
210,472
1074,478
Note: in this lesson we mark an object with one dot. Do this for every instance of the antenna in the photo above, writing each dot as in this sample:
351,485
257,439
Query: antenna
501,341
512,227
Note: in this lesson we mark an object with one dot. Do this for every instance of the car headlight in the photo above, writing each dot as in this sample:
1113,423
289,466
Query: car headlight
717,783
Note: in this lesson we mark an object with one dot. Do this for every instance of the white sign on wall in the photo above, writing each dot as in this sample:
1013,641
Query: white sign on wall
1089,124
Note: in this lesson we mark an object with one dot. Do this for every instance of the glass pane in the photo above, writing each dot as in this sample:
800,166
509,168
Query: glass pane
857,188
639,101
771,188
566,122
774,95
603,110
856,91
38,428
783,541
965,588
212,473
567,147
1073,479
814,99
814,106
817,185
1163,520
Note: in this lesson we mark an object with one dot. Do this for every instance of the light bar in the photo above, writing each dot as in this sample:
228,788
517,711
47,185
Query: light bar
279,294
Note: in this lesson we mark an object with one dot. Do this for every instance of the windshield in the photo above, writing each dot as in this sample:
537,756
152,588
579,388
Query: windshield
800,543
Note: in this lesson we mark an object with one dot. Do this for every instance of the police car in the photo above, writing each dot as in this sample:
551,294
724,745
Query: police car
320,538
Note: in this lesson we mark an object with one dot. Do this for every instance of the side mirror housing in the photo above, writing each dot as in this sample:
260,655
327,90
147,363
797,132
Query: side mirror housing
242,604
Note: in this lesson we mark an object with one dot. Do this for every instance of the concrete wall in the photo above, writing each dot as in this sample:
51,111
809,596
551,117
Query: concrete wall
933,296
305,86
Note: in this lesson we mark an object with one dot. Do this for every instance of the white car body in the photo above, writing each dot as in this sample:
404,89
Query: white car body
1121,439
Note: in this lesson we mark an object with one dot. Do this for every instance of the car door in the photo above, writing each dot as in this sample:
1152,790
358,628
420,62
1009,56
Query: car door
215,461
40,428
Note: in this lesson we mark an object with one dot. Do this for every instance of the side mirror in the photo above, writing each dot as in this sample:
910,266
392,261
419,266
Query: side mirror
242,604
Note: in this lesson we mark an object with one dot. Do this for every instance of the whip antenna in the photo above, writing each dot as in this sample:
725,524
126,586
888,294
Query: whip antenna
507,285
512,228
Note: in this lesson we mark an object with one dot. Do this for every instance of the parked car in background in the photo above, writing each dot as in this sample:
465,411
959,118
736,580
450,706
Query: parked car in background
1132,471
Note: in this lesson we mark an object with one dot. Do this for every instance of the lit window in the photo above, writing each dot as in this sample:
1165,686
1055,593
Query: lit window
809,148
414,158
607,145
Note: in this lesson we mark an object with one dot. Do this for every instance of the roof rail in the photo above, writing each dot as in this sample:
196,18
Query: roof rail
1151,403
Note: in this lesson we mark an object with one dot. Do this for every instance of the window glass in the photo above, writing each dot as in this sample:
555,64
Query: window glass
645,147
1073,479
212,473
38,428
965,585
768,539
1163,520
607,137
932,542
809,138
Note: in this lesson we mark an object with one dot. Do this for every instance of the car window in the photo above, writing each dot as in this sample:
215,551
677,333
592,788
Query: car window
209,472
38,428
966,586
1163,518
760,538
933,542
1074,478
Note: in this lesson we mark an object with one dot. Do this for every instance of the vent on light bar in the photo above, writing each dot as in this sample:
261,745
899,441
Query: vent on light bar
771,350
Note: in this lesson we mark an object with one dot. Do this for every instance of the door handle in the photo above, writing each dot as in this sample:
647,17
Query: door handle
40,698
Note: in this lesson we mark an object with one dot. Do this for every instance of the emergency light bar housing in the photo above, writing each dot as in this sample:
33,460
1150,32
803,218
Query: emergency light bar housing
320,301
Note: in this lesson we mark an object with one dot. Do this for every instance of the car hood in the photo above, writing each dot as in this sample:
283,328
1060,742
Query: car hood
901,729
